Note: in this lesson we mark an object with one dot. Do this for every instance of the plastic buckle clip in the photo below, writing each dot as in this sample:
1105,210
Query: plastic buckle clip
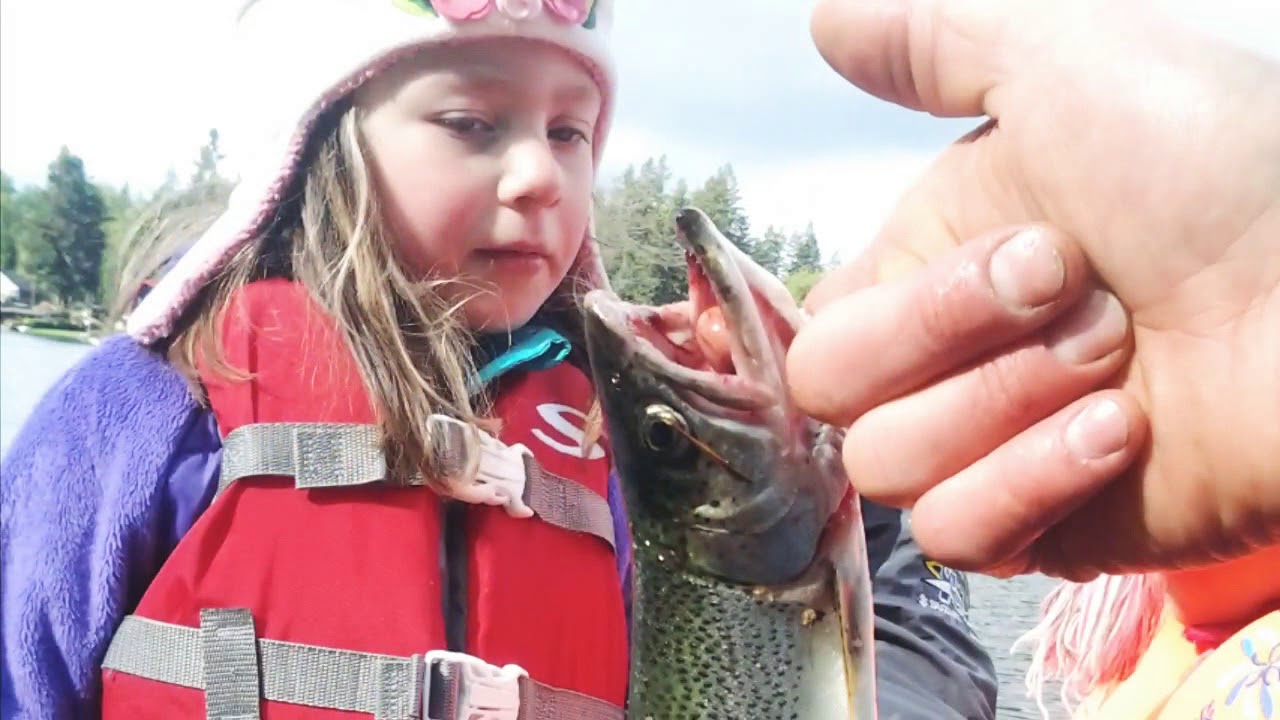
478,691
496,474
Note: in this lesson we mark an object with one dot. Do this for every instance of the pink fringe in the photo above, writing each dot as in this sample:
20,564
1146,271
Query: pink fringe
1092,635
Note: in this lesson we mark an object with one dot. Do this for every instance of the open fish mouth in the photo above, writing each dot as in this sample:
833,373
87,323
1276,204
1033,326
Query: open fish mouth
759,315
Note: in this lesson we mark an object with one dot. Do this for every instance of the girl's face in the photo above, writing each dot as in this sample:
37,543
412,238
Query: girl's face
482,155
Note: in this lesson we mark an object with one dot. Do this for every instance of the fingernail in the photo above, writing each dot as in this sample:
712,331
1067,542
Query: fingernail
1027,271
1101,430
1095,329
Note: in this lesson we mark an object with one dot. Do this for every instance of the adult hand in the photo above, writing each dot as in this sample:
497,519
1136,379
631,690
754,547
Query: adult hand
1006,397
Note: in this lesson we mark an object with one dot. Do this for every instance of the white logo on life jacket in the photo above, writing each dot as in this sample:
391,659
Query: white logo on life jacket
555,415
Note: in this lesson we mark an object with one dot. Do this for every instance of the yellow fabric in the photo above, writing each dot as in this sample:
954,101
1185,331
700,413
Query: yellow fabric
1141,696
1239,680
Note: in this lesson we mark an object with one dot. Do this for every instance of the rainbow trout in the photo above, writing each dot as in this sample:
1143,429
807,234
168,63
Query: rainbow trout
751,590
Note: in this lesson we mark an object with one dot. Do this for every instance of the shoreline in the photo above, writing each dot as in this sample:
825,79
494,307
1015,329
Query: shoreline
57,334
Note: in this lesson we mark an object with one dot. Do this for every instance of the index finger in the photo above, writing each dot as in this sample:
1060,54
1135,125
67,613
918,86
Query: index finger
887,339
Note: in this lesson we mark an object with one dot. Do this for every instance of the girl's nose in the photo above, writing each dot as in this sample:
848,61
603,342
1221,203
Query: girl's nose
531,176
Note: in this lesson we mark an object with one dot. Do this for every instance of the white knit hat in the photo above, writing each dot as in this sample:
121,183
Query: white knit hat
301,56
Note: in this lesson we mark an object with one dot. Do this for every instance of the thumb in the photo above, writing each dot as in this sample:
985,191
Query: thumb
940,56
946,57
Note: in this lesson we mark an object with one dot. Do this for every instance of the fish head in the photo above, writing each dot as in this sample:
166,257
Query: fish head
722,474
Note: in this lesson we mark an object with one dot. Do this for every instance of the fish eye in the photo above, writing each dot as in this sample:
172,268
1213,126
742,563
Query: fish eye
663,430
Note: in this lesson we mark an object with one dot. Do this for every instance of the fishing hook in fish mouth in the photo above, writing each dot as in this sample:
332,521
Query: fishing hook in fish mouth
715,457
661,416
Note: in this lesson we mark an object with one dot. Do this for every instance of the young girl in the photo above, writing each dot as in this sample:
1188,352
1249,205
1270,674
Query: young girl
311,467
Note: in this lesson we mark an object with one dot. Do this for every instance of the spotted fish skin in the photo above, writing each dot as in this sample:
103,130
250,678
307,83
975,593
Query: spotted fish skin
714,651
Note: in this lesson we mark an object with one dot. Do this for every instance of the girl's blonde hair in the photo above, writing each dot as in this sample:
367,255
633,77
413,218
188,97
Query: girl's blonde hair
414,354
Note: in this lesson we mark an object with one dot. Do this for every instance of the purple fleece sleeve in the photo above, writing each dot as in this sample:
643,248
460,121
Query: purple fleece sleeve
621,541
113,461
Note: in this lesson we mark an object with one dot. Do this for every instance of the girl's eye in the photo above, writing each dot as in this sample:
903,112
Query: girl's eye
466,126
568,134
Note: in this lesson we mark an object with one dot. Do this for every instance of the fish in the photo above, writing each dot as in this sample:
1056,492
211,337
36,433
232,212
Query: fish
751,594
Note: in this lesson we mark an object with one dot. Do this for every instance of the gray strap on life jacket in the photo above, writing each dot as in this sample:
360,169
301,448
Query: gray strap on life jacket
315,455
319,455
565,503
437,686
229,659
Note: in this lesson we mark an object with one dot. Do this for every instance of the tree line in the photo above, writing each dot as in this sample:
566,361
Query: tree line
63,237
635,221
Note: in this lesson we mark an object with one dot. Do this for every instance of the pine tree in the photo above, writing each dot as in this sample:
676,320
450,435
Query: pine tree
207,162
206,181
67,251
805,252
121,210
635,227
720,200
770,251
805,266
9,220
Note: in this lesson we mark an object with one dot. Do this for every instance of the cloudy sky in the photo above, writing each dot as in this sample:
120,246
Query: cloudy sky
132,86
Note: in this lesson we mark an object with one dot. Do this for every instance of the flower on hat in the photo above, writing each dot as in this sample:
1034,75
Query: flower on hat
570,11
519,9
462,9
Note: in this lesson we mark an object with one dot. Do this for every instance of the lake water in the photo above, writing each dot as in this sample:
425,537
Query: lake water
28,366
1002,609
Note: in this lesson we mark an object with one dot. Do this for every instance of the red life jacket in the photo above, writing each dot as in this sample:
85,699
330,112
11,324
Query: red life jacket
360,568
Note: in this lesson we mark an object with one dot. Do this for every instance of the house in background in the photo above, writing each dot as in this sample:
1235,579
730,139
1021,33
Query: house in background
8,289
16,290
